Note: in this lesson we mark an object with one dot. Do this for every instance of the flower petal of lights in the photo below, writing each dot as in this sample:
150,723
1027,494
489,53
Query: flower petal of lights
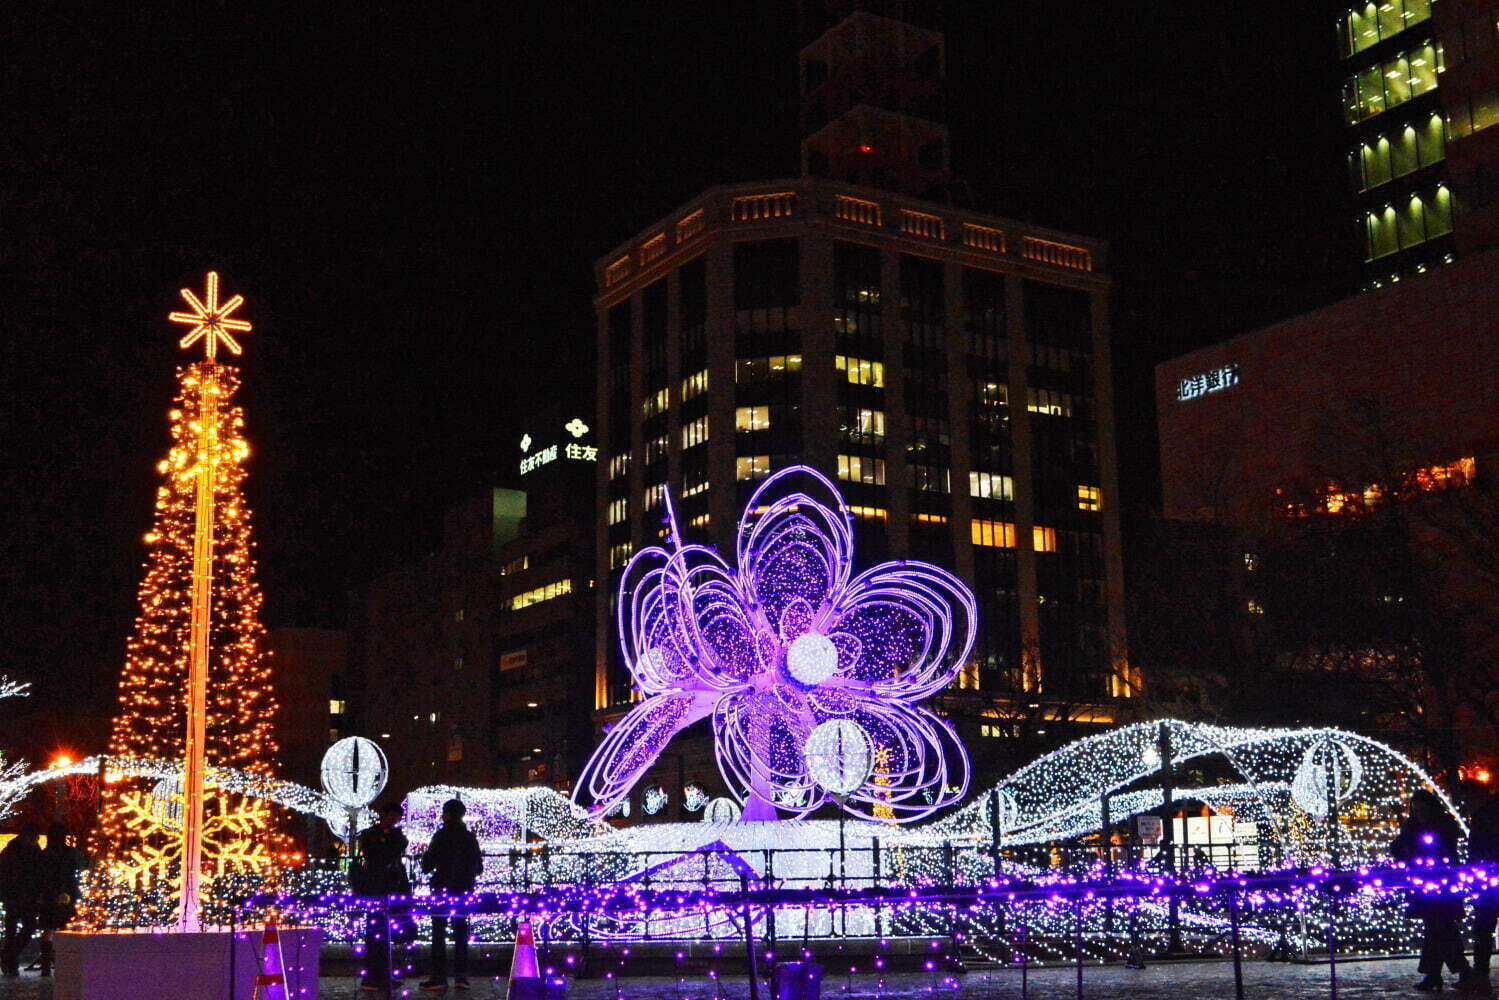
810,674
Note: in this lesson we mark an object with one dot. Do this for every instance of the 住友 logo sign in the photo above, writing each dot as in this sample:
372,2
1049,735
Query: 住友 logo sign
1201,384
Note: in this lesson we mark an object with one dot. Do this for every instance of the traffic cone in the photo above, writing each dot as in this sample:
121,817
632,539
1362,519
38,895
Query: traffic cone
270,981
525,977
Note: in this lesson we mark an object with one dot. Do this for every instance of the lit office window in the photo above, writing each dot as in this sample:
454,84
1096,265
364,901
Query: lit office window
515,565
654,495
1088,498
751,467
1390,83
868,513
1044,539
619,510
768,369
656,402
546,593
655,449
695,384
858,469
995,534
1049,401
695,432
1367,24
991,486
932,478
752,418
861,426
620,554
861,372
619,465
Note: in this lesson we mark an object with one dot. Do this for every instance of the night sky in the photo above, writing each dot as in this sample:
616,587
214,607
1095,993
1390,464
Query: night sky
411,200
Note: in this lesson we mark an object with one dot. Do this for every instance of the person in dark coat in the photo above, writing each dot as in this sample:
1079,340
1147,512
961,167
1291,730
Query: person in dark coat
1430,834
454,863
379,872
1483,849
57,889
19,865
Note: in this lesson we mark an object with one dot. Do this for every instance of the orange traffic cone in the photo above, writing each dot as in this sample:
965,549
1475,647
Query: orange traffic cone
525,977
270,982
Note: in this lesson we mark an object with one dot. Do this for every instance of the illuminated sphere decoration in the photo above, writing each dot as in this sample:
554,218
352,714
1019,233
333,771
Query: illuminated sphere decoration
721,811
354,771
1329,773
166,802
839,756
779,642
811,659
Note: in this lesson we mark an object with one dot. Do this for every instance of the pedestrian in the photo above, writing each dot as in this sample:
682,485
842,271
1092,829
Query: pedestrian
57,890
19,863
1431,834
1483,849
454,862
379,872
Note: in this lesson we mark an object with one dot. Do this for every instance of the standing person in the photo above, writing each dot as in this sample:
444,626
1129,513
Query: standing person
379,872
1430,834
1483,849
57,890
19,863
454,862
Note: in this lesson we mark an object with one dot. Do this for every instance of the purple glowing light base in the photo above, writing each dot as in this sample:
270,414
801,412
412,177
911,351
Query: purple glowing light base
786,644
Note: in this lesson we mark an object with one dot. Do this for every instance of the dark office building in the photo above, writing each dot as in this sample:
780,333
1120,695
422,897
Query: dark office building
424,650
950,370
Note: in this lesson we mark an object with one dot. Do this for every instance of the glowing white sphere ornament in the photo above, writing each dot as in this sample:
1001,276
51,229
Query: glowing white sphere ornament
1329,773
839,755
354,772
812,658
166,803
721,810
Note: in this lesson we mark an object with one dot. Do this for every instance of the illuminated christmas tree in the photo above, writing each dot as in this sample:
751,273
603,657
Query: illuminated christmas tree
196,687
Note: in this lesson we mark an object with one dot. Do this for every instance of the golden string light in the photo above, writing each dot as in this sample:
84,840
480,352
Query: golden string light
210,321
201,485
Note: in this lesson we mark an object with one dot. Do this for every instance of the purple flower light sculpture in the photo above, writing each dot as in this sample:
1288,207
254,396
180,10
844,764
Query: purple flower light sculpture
810,675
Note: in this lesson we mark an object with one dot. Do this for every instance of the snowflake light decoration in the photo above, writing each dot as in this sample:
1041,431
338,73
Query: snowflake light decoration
787,642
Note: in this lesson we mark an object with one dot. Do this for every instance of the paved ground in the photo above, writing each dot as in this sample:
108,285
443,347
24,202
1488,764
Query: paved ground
1186,981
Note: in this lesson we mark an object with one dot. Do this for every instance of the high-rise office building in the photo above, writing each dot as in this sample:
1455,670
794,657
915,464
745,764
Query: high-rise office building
1421,87
950,369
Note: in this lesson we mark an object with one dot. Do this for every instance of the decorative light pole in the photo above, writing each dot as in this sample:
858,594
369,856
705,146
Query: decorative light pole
211,324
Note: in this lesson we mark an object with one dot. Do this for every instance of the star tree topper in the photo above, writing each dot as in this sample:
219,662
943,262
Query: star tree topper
210,321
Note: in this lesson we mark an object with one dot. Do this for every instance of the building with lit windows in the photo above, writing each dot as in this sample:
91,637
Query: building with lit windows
949,368
540,728
1293,419
475,664
1421,88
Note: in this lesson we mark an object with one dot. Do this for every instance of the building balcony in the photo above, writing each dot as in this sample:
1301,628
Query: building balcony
782,208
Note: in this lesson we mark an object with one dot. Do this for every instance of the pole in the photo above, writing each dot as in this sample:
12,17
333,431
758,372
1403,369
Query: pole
189,917
1332,948
995,834
1233,931
1168,837
1077,942
749,943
